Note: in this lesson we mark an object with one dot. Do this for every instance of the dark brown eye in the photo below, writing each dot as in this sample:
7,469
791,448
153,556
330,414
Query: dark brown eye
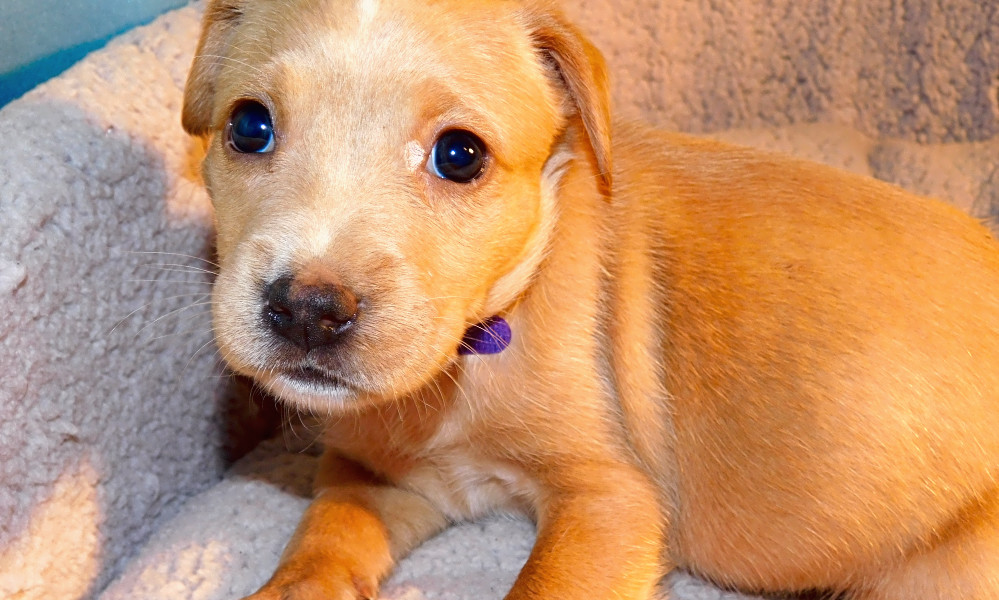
250,129
458,156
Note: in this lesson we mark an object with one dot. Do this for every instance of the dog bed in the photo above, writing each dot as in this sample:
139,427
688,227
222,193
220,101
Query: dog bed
119,429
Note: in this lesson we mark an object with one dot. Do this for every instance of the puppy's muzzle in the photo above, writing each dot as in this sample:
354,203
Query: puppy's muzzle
309,316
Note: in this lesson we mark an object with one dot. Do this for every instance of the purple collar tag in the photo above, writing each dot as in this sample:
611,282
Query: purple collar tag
491,336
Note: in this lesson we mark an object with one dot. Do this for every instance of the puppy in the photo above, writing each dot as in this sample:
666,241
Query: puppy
670,352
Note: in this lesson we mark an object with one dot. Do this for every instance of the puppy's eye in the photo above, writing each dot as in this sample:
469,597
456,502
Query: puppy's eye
250,128
458,156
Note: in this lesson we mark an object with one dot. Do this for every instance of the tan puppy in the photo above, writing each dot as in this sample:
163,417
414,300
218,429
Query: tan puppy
768,372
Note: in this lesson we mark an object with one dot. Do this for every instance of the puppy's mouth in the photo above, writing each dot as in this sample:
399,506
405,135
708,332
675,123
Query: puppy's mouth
307,384
311,376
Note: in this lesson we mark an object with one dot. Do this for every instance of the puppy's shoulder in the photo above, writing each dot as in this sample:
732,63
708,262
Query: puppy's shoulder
646,155
673,171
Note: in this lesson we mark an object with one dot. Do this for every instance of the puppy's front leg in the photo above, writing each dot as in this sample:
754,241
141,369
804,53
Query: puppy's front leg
603,539
349,537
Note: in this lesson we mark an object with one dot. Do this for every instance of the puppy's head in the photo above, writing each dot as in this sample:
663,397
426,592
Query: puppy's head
384,175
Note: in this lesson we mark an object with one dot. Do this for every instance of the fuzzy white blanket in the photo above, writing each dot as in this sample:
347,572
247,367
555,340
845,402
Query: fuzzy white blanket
115,424
228,539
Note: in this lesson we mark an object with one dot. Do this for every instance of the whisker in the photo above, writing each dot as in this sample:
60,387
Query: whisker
177,254
245,64
196,353
178,268
126,317
172,312
207,330
178,281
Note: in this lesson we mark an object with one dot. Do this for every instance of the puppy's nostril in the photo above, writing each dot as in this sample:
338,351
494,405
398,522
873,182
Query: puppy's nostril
279,300
334,325
309,316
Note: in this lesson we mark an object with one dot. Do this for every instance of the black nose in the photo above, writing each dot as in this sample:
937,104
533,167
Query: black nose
309,316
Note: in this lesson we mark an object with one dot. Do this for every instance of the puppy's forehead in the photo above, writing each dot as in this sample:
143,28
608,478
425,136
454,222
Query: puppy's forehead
380,25
363,61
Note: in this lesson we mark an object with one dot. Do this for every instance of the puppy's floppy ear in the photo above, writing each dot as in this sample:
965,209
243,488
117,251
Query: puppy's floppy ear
218,25
581,72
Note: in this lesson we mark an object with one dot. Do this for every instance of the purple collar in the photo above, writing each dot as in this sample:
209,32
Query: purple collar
491,336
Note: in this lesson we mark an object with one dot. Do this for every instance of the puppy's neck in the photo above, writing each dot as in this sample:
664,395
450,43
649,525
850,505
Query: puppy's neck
570,154
556,299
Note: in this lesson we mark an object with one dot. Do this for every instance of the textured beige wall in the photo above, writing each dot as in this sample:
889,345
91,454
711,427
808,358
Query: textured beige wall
924,70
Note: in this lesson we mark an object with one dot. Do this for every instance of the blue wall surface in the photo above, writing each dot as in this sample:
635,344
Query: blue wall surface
41,38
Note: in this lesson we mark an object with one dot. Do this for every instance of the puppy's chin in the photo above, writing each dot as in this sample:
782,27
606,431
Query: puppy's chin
310,389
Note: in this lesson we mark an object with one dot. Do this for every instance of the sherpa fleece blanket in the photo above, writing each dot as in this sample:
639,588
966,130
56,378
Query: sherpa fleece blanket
117,425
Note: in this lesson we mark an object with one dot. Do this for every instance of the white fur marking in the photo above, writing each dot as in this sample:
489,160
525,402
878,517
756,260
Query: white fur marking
414,155
367,9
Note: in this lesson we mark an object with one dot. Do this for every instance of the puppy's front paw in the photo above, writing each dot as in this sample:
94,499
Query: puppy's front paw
328,587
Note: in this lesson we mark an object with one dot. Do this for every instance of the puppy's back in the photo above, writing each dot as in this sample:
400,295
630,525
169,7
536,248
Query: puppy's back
830,356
